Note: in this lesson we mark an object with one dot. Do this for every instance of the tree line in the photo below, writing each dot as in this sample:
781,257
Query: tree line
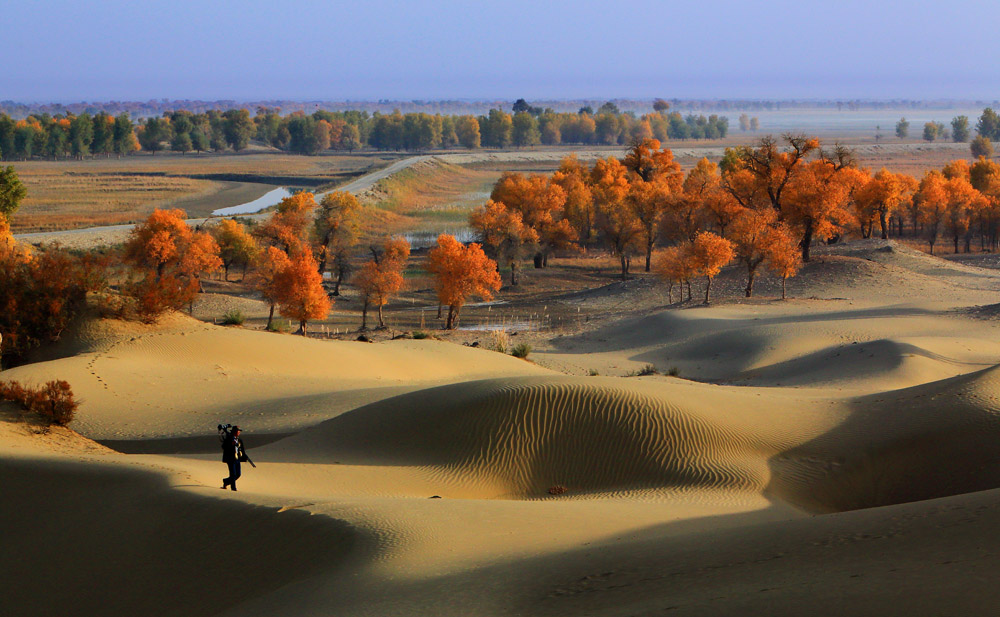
68,135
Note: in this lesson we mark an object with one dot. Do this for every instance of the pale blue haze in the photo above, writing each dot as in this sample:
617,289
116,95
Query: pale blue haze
71,51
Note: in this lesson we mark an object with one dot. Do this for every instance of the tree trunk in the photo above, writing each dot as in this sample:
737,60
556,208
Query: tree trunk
381,321
807,237
538,259
336,284
689,289
956,244
452,315
885,225
624,266
751,276
783,279
439,309
649,254
708,288
302,328
225,267
270,318
513,273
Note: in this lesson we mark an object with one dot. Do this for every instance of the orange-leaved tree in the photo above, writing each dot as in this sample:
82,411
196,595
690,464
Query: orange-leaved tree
783,255
287,228
675,265
503,233
964,205
541,203
170,257
932,204
815,202
617,221
709,253
382,278
236,246
461,272
751,233
264,277
338,228
300,291
572,177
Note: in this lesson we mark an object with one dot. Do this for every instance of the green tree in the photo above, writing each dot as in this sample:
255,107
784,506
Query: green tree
495,129
902,128
989,125
124,135
181,143
199,141
81,135
104,134
960,129
154,132
238,128
930,131
524,130
12,191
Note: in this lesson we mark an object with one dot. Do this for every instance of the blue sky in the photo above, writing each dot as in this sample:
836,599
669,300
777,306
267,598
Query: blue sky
71,51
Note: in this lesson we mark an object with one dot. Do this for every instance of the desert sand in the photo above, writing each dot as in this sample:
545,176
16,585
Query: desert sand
834,454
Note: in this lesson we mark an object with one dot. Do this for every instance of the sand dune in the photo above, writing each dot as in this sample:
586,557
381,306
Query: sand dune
182,377
833,455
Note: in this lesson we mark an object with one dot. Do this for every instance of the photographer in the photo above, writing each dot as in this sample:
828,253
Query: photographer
232,455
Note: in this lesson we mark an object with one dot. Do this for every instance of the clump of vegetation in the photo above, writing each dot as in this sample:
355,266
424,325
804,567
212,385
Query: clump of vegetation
234,317
499,341
420,335
558,489
52,402
673,371
521,350
649,369
593,373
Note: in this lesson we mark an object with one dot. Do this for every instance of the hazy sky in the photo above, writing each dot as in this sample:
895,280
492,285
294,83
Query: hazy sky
251,49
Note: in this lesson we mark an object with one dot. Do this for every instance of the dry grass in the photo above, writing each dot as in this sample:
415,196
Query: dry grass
73,194
432,196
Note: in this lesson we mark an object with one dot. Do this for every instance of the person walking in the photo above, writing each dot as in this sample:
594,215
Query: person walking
232,455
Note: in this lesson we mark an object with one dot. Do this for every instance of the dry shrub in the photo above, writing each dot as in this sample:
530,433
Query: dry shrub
52,402
41,293
558,489
499,341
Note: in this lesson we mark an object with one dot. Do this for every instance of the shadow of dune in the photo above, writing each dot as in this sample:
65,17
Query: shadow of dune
92,539
923,442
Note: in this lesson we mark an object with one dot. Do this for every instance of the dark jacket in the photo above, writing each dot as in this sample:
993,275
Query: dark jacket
232,449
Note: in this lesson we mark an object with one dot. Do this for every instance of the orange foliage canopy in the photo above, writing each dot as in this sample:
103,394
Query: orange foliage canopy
288,226
300,292
171,257
504,233
380,280
461,272
709,253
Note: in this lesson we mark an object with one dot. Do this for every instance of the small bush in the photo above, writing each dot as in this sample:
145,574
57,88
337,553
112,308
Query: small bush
53,402
649,369
593,372
558,489
499,341
234,317
674,371
420,335
521,350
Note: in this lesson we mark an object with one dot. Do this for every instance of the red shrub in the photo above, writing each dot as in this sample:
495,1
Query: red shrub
53,402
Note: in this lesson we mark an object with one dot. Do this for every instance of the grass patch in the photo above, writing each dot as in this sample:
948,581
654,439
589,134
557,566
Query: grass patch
649,369
234,317
521,350
420,335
